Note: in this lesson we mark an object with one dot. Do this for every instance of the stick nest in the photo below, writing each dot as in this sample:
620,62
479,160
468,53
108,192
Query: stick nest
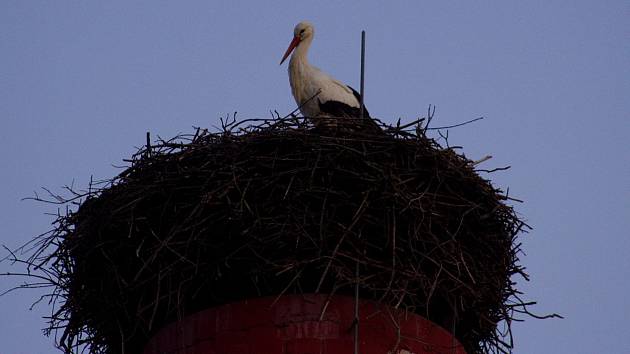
279,207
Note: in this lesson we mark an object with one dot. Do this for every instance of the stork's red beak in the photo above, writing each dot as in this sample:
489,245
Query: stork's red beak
294,43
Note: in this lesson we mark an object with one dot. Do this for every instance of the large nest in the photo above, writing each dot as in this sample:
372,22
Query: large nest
278,208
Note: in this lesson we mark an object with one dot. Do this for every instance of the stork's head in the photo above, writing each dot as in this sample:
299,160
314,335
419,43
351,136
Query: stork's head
304,31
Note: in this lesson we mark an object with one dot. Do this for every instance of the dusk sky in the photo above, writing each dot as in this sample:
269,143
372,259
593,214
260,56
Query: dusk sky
82,82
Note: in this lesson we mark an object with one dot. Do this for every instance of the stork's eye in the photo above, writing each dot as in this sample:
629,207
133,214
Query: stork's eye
302,31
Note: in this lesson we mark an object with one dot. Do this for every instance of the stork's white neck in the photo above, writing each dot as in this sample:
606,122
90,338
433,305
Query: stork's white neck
300,54
301,75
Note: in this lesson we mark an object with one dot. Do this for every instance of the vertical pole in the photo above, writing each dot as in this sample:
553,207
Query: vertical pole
356,310
362,73
356,285
148,149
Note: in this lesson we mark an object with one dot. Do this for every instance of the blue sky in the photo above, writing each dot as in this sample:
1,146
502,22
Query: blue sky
81,83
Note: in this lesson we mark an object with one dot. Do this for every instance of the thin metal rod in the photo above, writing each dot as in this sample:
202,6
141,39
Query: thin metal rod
148,149
362,73
356,284
356,310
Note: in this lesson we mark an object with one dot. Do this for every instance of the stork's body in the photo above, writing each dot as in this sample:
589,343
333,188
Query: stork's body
317,93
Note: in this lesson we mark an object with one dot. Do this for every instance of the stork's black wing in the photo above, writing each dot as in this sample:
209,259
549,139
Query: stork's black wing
340,109
366,114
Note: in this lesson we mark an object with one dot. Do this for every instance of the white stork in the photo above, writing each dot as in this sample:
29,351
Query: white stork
317,93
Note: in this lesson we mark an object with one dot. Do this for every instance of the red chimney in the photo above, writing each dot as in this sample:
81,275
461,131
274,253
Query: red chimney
302,324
